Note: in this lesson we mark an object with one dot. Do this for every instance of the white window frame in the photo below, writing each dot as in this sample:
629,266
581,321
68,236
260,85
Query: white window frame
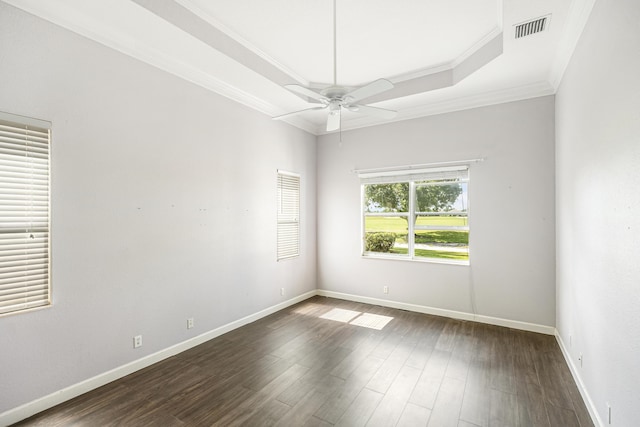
288,211
411,177
25,251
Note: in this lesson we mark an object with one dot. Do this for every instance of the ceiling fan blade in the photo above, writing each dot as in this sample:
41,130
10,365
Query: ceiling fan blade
282,116
333,121
307,93
382,113
373,88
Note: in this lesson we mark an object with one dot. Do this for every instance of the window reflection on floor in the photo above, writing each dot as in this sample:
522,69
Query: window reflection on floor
366,320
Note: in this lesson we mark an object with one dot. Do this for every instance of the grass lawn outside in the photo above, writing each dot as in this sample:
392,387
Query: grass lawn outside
428,253
398,226
394,224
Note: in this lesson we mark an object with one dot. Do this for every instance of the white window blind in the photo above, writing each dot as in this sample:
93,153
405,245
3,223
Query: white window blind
288,215
24,213
430,174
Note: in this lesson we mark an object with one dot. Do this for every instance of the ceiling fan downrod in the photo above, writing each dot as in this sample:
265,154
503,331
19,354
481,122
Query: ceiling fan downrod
334,98
335,46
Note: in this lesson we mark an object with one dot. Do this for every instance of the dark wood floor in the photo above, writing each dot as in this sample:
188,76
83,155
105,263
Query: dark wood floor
296,369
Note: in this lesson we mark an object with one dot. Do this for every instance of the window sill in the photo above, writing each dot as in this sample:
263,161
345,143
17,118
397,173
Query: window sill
415,259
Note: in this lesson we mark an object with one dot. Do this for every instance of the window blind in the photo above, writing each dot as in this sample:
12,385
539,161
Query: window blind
288,215
459,173
24,213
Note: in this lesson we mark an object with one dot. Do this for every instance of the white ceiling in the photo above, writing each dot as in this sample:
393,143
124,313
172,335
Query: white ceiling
375,38
442,55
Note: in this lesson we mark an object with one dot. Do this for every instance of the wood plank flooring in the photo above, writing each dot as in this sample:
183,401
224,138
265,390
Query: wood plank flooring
294,368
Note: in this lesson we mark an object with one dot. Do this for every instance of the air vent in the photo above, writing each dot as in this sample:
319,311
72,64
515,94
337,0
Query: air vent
531,27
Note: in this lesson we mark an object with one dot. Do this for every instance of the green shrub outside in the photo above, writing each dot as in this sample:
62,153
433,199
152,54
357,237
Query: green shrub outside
379,242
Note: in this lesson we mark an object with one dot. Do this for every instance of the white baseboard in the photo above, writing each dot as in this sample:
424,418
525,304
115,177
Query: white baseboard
515,324
576,377
31,408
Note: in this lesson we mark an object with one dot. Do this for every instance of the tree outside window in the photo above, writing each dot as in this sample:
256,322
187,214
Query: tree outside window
417,219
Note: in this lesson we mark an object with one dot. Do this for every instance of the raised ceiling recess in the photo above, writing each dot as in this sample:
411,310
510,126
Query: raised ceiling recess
439,55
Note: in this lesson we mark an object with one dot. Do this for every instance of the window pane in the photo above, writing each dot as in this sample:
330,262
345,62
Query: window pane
386,197
385,234
446,244
441,221
448,197
441,210
440,227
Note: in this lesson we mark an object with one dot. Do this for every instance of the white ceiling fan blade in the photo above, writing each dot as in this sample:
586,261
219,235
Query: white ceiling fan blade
306,93
382,113
282,116
333,121
373,88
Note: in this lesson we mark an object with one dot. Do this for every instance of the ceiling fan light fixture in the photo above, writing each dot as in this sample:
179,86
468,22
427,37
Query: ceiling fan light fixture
336,97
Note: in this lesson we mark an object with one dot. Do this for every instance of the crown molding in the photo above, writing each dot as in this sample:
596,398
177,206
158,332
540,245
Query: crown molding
488,38
302,123
193,8
66,15
579,13
500,96
185,61
483,44
446,66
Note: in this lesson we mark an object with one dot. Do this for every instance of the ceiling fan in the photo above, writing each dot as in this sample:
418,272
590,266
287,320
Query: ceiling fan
335,98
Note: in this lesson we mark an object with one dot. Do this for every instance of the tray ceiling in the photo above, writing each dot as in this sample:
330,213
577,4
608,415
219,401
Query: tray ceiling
442,55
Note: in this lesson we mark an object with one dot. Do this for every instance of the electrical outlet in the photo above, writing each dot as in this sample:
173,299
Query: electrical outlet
190,323
137,341
282,291
385,289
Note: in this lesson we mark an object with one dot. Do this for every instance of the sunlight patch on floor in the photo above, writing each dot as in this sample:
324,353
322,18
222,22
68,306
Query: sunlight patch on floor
340,315
373,321
356,318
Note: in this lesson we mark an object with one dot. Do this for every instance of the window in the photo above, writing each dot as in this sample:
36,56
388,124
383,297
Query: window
24,213
288,215
416,214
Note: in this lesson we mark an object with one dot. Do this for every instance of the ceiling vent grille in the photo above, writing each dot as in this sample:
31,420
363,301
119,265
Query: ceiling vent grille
531,27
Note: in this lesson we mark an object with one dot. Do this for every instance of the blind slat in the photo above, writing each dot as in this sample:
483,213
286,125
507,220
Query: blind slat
288,235
24,214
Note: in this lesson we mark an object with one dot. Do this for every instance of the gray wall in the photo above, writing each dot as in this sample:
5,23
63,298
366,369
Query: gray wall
598,209
511,199
163,208
163,195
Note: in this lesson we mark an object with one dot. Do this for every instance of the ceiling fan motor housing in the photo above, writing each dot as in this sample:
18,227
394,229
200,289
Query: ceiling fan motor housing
336,97
335,92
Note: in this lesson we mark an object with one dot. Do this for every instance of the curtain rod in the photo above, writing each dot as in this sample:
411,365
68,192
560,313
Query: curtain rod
422,166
